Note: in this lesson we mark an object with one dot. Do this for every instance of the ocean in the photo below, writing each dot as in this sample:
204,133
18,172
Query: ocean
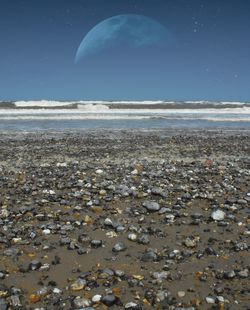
82,115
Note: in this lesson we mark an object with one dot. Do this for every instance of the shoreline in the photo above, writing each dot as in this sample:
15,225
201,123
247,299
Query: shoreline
128,219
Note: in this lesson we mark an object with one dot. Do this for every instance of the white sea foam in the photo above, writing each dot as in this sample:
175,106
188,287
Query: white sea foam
49,103
94,104
122,117
76,117
102,109
92,107
42,103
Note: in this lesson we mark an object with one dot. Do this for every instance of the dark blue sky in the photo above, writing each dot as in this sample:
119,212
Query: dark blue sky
209,58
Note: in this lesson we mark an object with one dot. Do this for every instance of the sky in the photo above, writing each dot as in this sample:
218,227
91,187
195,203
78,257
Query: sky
208,58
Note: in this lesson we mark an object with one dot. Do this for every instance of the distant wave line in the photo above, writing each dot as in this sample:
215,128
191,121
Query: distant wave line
230,118
120,105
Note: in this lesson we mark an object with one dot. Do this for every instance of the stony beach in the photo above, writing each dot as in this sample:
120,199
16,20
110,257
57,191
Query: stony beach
125,219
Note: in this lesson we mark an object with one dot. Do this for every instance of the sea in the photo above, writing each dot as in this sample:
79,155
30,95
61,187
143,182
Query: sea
47,115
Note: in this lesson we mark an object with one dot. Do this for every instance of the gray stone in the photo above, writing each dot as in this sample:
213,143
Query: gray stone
109,300
3,304
119,247
151,206
149,256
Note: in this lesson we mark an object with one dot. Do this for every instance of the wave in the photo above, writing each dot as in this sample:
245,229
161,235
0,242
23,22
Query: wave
76,117
102,109
99,116
115,105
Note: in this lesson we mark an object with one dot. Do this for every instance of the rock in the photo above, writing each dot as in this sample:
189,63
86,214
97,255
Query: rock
62,165
11,252
106,273
78,285
181,294
96,298
243,273
81,302
218,215
108,222
230,274
46,231
3,304
190,242
119,273
132,237
119,247
151,206
132,306
160,275
149,256
96,243
210,300
109,300
35,265
15,301
2,275
144,239
56,290
240,246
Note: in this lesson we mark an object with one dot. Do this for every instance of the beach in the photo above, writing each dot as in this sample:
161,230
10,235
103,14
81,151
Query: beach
128,219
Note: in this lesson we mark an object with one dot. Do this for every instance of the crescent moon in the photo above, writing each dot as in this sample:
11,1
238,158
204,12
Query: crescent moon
128,30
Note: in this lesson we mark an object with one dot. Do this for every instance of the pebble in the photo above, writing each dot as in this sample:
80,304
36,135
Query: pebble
81,302
181,294
96,298
132,306
190,243
144,239
35,265
149,256
243,273
46,231
119,247
96,243
109,300
132,237
3,304
210,300
171,202
78,285
151,206
218,215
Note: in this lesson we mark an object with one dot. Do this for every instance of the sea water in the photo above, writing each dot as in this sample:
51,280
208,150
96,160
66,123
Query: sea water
80,115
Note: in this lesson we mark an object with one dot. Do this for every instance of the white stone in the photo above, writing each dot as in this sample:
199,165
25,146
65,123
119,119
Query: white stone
44,267
96,298
132,237
130,305
181,294
46,231
220,299
99,171
49,191
108,222
61,164
210,300
57,290
218,215
111,234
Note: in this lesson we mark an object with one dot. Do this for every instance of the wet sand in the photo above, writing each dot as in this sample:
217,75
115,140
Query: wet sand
125,219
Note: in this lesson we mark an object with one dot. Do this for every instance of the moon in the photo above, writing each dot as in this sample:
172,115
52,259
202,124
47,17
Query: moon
128,30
